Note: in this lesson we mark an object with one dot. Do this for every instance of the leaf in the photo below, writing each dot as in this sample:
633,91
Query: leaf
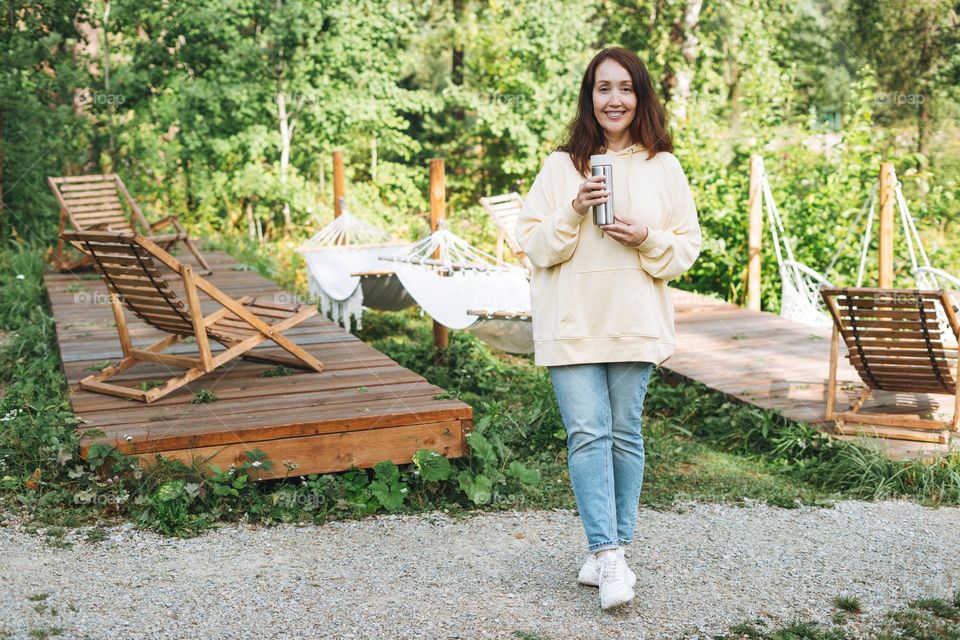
479,488
481,448
390,496
432,466
386,471
526,476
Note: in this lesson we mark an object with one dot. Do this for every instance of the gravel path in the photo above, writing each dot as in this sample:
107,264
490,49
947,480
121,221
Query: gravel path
699,569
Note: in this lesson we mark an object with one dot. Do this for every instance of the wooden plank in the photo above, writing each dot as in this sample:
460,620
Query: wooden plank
90,177
899,433
360,389
331,452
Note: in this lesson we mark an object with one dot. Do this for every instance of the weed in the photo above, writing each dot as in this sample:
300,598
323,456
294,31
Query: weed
204,396
848,604
277,371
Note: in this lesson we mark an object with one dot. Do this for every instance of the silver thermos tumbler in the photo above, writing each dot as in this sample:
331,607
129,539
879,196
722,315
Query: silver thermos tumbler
602,165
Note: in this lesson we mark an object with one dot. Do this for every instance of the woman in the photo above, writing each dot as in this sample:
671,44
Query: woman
602,315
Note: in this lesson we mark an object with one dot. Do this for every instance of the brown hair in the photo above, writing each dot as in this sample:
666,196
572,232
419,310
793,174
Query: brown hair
649,126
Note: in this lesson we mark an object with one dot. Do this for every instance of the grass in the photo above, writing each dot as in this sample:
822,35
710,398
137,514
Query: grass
931,618
700,445
848,604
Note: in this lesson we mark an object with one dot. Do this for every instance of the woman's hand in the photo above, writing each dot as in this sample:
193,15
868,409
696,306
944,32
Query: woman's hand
592,192
626,231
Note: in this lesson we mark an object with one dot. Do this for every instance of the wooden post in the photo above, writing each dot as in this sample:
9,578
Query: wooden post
755,237
438,211
888,179
339,182
832,376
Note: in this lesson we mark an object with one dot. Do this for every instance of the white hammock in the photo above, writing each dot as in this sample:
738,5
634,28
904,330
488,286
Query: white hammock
345,247
448,278
800,299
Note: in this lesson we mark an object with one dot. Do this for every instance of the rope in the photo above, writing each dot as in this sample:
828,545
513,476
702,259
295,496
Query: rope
156,285
346,229
780,236
846,239
856,340
452,254
865,244
926,338
776,224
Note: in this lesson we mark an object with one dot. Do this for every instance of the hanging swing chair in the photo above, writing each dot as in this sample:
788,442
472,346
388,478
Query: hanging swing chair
926,276
449,279
800,285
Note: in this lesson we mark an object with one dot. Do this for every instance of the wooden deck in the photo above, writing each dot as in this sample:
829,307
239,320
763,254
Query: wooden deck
362,409
776,364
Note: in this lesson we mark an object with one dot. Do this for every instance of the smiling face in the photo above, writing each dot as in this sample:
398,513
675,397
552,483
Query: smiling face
614,99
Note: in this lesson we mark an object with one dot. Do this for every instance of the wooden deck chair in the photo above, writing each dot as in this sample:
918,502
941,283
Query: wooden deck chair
895,344
132,268
95,203
505,209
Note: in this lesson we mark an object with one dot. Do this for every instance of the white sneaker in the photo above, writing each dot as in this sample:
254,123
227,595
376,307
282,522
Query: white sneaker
614,590
590,571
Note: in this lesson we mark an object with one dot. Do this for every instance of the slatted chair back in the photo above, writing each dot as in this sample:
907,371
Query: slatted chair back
133,275
96,202
133,266
505,209
894,339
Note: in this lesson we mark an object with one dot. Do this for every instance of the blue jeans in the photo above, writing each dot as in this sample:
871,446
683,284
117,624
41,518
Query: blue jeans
602,407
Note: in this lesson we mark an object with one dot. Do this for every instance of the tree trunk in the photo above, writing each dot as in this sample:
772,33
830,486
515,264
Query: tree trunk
923,129
684,77
286,133
456,71
923,98
111,109
251,222
1,167
456,67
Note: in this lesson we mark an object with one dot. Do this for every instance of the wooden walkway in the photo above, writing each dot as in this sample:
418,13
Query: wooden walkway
362,409
776,364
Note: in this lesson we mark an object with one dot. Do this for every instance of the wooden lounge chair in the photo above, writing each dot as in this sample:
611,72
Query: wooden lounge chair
505,209
896,344
95,203
133,269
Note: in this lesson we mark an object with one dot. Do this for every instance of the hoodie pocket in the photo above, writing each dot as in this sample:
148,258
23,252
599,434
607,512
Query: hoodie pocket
612,303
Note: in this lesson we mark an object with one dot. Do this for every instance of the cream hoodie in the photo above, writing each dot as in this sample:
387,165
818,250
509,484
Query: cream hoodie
593,299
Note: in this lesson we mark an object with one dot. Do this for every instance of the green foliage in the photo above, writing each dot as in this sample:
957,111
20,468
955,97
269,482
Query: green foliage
848,604
277,371
388,488
928,618
203,396
192,119
432,466
855,469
